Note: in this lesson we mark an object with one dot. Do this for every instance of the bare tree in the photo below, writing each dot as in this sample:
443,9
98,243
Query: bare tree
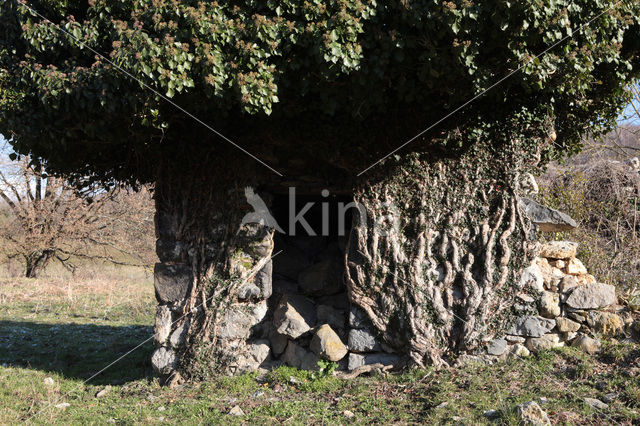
622,143
52,220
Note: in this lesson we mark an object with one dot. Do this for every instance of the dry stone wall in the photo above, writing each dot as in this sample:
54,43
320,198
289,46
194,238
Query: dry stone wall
561,304
296,311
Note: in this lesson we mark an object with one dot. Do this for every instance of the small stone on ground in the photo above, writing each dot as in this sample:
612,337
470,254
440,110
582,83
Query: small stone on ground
348,414
103,392
236,411
530,413
596,403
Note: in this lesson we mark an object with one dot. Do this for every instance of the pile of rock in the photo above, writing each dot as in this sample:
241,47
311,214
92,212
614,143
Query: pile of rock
561,304
295,311
311,315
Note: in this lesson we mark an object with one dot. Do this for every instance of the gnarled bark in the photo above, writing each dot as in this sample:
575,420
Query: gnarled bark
444,276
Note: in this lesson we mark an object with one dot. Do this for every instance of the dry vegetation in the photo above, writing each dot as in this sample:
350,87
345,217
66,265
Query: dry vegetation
600,189
100,290
44,219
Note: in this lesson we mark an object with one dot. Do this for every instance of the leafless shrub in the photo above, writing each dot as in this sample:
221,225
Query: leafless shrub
47,219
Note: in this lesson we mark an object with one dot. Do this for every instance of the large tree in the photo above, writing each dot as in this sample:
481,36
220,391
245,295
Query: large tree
317,92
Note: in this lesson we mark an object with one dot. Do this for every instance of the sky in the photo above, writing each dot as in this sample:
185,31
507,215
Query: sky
630,112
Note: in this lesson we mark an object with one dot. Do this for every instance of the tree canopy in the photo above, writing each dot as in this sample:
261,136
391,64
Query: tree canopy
318,66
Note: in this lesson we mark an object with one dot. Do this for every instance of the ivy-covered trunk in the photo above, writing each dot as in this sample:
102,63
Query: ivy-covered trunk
438,263
213,278
433,259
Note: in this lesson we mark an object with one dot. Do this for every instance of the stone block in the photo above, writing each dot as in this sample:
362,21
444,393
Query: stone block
172,282
164,361
532,278
497,347
327,345
559,250
238,320
531,326
546,218
255,355
548,341
363,340
566,325
278,342
297,356
575,267
515,339
592,296
294,316
549,304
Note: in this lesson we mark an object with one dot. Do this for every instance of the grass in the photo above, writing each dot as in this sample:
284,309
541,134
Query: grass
67,331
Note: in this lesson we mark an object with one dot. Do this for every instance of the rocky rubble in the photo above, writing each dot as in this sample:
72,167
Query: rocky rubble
563,305
295,311
309,317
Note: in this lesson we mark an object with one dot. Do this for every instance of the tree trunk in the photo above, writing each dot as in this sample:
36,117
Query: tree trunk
208,314
36,262
438,263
